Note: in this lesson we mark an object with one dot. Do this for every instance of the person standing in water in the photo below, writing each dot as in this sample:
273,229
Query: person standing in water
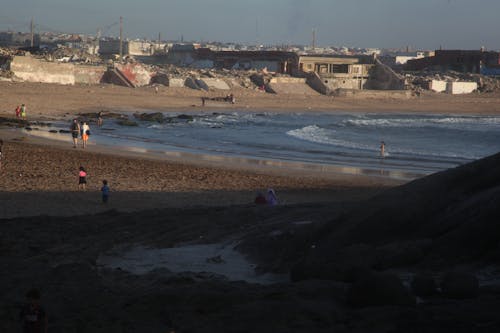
382,149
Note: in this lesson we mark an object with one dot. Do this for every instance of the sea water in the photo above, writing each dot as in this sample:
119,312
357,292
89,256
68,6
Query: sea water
419,143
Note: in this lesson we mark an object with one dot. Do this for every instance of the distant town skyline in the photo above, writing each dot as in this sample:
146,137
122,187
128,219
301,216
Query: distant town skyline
423,24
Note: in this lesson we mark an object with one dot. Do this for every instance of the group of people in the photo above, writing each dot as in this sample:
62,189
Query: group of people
21,112
80,130
82,184
270,199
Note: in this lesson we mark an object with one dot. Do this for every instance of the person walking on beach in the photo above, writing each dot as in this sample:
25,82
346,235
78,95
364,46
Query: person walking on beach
18,112
85,134
99,119
75,131
382,149
105,191
33,314
82,178
23,112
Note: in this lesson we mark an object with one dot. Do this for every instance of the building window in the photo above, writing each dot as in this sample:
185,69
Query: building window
340,69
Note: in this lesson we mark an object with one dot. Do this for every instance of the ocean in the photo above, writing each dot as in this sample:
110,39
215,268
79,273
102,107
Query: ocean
414,143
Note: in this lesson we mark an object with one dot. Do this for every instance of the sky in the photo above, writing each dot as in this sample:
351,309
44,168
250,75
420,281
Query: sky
419,24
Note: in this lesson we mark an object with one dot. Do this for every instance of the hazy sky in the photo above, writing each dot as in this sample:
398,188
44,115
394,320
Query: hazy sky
424,24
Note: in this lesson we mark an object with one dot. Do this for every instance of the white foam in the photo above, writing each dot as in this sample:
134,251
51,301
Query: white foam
316,134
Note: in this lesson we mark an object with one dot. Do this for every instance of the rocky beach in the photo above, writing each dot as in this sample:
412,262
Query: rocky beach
354,253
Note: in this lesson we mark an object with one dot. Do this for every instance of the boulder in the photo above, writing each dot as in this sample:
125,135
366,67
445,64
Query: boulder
458,285
379,290
423,285
155,117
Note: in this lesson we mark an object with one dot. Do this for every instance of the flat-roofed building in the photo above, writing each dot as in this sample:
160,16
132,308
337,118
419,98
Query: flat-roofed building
338,71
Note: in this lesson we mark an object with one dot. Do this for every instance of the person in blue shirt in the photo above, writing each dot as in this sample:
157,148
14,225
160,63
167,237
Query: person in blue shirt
105,191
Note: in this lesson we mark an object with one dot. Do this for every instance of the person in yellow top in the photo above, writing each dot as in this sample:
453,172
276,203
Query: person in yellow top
23,112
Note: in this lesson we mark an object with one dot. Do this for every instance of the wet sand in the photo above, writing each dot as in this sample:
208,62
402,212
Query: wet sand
39,177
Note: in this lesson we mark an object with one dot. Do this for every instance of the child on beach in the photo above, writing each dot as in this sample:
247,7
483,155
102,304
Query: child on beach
18,112
82,178
33,315
105,191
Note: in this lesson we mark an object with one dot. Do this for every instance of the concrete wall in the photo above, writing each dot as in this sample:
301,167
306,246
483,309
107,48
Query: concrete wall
288,80
347,82
382,77
461,87
34,70
290,85
437,86
315,82
176,82
375,94
136,73
88,74
215,83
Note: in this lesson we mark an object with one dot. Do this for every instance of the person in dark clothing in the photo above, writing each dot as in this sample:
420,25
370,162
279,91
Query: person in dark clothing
33,315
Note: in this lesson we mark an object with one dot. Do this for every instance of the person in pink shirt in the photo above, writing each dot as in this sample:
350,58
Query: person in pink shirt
82,178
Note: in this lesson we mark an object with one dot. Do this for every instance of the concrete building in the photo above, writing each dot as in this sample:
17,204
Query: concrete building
272,61
455,60
339,72
134,48
18,39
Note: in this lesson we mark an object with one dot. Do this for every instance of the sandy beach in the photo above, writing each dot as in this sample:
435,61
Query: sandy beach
47,100
345,245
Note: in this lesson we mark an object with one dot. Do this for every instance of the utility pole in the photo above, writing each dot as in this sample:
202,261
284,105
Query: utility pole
159,41
97,38
32,28
121,38
314,39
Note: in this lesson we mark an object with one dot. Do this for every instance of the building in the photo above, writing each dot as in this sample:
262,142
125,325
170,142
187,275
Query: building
339,72
109,47
18,39
464,61
271,61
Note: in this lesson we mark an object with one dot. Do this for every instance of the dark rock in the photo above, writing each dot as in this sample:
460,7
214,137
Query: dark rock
191,83
53,131
379,290
126,122
460,285
64,131
423,285
155,117
185,117
399,254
